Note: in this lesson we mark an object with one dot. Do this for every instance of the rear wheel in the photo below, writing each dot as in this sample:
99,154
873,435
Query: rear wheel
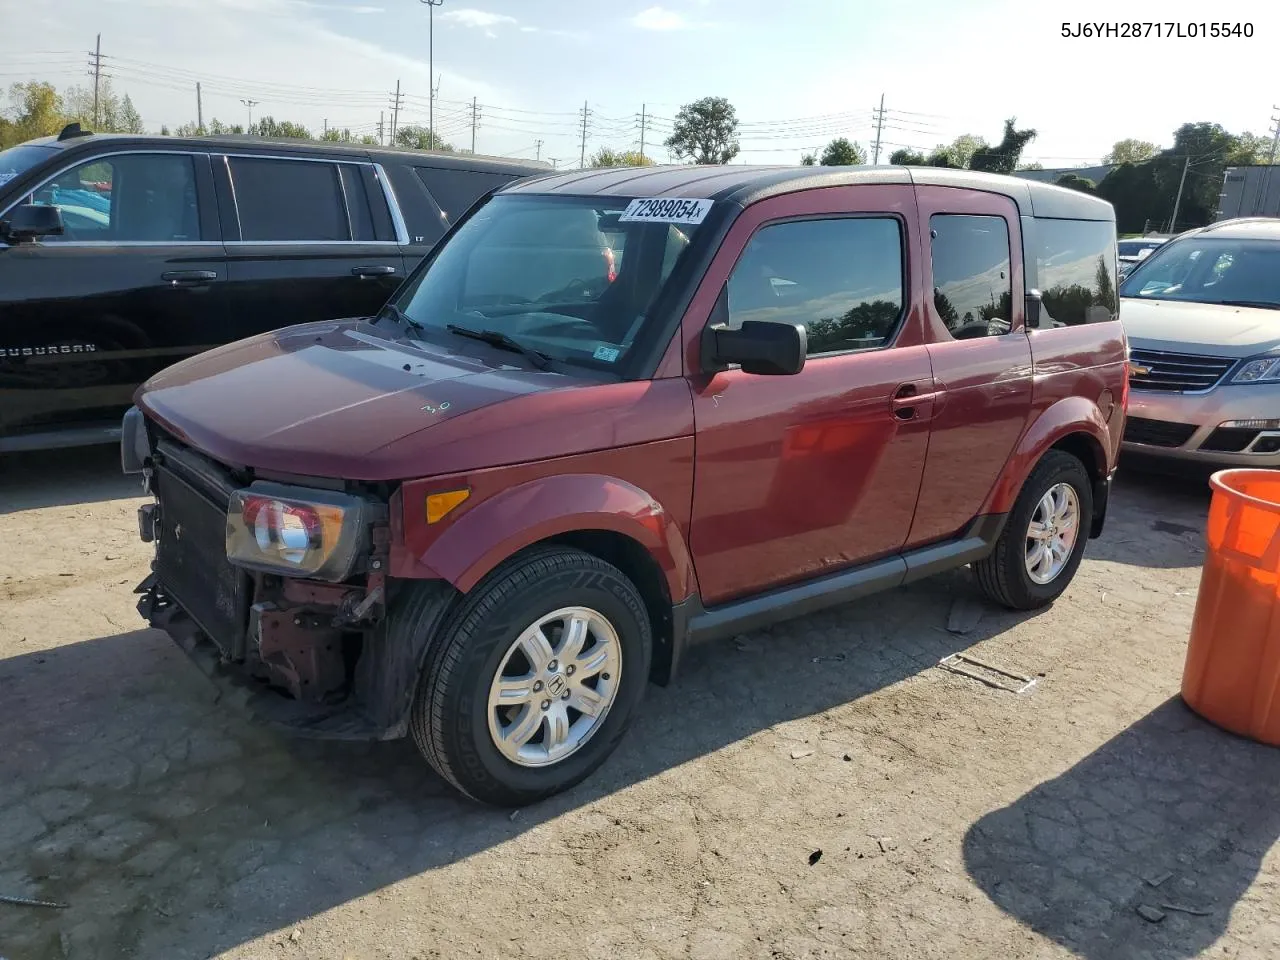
1043,541
536,681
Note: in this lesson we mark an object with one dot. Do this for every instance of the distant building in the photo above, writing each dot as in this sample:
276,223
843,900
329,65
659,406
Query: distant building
1096,174
1252,191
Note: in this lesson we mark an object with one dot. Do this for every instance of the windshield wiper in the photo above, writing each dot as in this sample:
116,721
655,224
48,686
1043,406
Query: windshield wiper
395,313
497,338
1250,303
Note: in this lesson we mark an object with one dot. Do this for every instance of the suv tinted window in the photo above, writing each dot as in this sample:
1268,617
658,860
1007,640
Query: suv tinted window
456,190
1077,264
288,200
840,278
972,279
147,197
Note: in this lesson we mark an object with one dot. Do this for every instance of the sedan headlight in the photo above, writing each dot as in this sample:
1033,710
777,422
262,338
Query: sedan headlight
1258,370
307,533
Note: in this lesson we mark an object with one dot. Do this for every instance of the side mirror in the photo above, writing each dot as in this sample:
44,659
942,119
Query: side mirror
1034,301
759,347
33,220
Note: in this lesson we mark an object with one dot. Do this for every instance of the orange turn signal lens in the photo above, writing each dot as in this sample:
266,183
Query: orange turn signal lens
440,505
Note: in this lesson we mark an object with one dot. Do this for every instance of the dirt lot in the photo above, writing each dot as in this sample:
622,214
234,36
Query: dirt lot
953,820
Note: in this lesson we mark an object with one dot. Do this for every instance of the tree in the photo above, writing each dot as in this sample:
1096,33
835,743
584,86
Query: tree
943,156
1074,181
218,129
842,152
808,159
705,131
1004,156
116,113
1130,151
1132,189
278,129
369,140
1033,165
604,157
1249,149
417,137
35,110
965,146
907,158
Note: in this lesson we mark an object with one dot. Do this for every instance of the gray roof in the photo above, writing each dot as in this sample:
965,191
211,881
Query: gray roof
1244,228
744,184
440,158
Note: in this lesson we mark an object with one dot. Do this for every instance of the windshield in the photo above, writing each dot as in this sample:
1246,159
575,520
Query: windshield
1210,270
562,275
18,160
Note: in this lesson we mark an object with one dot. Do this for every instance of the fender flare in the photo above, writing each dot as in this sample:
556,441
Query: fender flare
1068,416
487,534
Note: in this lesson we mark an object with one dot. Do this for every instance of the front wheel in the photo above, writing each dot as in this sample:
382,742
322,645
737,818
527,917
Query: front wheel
1044,539
536,681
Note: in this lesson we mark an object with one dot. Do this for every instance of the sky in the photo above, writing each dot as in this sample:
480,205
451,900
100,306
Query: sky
799,73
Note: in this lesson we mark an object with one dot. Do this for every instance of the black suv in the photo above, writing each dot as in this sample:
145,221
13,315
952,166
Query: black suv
120,255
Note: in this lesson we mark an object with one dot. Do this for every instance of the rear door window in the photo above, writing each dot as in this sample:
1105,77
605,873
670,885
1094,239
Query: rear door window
1076,260
972,277
456,190
295,200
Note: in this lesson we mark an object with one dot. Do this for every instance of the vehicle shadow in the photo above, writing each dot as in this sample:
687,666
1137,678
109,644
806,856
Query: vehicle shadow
1171,818
57,478
1149,518
174,828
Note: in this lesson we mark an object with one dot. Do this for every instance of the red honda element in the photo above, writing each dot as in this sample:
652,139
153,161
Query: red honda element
490,515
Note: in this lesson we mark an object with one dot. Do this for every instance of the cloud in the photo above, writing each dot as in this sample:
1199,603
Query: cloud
660,18
479,19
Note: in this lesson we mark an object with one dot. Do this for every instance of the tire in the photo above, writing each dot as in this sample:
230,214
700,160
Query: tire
452,713
1004,575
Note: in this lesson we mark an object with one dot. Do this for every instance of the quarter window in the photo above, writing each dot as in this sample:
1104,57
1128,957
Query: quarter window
840,278
289,200
127,198
1077,264
972,283
456,190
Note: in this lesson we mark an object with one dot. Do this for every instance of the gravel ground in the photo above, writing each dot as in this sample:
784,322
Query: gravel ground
820,789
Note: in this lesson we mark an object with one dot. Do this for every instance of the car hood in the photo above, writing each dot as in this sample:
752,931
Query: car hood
1208,328
320,399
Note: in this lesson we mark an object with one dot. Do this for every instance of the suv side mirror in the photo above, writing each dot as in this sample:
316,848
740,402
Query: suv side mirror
33,220
759,347
1034,304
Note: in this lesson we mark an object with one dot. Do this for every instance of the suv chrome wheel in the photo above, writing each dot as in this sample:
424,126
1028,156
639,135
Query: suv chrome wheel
554,686
1052,533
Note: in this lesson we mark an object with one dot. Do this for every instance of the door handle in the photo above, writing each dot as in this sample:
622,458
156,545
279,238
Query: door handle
187,278
380,270
907,398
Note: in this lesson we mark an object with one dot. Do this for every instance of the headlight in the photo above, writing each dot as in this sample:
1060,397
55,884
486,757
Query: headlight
306,533
1258,370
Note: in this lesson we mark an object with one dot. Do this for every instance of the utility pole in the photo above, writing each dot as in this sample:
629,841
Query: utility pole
199,110
396,100
431,69
879,117
1178,202
642,125
475,118
95,65
582,161
538,144
250,104
326,127
381,120
1271,165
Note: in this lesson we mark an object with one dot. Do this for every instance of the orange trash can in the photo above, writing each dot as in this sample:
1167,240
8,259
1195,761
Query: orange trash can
1232,672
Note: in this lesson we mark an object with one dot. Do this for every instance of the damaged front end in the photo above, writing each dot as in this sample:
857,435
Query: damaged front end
277,590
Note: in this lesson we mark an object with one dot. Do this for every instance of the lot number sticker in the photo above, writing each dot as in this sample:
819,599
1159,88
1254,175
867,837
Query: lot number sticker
666,210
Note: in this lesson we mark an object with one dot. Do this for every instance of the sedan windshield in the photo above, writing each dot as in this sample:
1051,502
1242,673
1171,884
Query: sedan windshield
18,160
562,276
1210,270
